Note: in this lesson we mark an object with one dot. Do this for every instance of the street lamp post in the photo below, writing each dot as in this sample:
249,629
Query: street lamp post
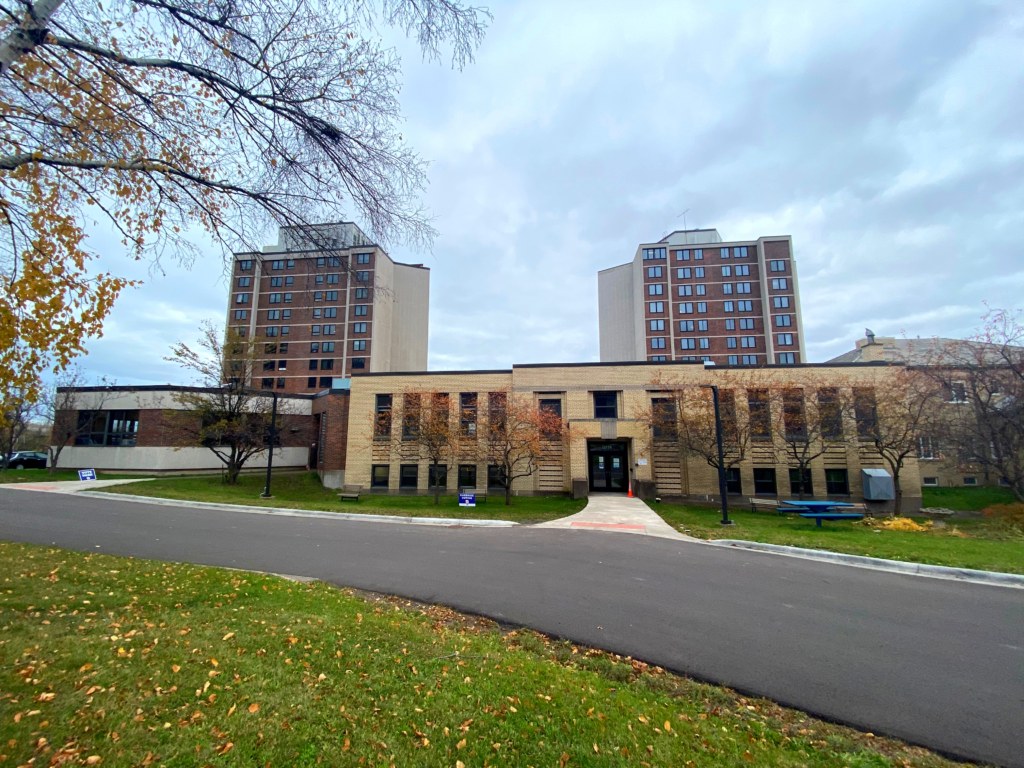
721,455
234,386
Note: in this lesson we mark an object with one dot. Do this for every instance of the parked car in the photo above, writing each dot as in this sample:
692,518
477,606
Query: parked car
27,460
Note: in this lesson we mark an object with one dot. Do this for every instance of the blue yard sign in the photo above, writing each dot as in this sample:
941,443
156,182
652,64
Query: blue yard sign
87,474
467,499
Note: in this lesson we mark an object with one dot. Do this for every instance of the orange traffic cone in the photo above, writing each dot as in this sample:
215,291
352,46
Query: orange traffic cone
630,494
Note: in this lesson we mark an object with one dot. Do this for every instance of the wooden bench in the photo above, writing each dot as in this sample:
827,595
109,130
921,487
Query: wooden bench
756,504
348,497
819,516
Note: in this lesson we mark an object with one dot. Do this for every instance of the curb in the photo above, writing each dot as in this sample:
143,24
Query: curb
288,512
992,578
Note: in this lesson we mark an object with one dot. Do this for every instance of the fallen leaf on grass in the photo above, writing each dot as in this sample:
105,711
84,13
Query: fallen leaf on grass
228,636
461,744
225,748
253,708
175,668
232,710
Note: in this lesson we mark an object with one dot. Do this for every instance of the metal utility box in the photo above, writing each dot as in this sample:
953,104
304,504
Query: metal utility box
877,485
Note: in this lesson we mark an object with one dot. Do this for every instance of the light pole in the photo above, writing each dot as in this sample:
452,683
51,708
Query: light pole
721,455
238,387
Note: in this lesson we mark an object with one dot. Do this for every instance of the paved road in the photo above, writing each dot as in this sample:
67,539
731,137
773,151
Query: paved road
935,662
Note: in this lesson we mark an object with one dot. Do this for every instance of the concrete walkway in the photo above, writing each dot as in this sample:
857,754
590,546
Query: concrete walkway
617,513
72,486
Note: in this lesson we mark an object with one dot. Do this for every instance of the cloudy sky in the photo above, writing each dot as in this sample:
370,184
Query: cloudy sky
886,138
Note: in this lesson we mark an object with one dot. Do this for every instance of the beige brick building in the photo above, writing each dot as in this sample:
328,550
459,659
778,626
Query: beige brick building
609,442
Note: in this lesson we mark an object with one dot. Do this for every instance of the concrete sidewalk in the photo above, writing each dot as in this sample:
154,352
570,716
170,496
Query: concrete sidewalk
72,486
617,513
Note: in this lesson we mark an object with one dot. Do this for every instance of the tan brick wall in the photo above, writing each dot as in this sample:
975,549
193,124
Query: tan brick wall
575,385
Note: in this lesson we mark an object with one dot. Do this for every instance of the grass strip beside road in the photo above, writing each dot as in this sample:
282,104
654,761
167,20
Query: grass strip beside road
303,490
980,543
966,498
121,662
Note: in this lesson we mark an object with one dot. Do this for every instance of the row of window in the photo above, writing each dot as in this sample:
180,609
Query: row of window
782,358
686,308
245,265
837,482
412,410
437,477
654,253
687,326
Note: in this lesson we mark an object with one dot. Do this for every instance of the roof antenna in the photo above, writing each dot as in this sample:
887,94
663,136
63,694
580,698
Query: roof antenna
683,214
870,334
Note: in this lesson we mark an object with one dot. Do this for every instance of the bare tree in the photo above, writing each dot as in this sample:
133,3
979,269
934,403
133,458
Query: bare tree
17,411
63,405
519,434
808,414
164,116
223,413
982,379
892,414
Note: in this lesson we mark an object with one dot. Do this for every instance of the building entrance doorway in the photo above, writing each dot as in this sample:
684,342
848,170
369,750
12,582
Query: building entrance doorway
609,466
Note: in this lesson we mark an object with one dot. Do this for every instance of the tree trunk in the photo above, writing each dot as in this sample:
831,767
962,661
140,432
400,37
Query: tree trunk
897,508
437,485
508,493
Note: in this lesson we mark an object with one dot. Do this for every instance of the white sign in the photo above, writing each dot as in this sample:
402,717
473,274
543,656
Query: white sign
641,462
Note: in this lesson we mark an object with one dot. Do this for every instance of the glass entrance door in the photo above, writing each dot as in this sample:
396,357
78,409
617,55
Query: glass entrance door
608,470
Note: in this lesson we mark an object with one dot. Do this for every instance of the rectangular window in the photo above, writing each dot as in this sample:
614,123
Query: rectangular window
318,296
744,306
277,264
291,264
728,306
275,314
327,346
654,271
409,475
730,324
749,359
658,342
682,255
742,287
363,276
437,477
787,358
467,413
702,307
740,252
311,382
687,343
764,481
930,482
411,412
657,325
362,293
275,298
332,279
927,448
733,485
282,365
702,325
656,307
109,428
314,347
724,253
783,321
359,328
748,342
288,281
379,476
495,476
655,289
758,407
830,413
746,323
865,412
837,482
319,280
360,310
698,254
658,358
359,345
742,269
331,295
326,381
241,314
777,265
283,349
702,290
270,331
280,383
331,312
382,418
362,258
698,271
241,298
689,358
795,484
358,362
268,365
326,365
727,271
654,253
734,360
314,330
606,405
467,476
276,282
686,326
705,343
244,282
686,290
730,342
781,302
784,339
683,273
267,384
330,330
727,288
780,284
312,365
245,265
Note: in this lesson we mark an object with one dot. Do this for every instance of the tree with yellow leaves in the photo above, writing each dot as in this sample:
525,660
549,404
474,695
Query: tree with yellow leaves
163,117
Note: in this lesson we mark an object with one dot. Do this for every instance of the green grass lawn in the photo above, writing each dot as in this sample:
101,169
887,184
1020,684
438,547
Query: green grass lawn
119,662
44,476
304,491
972,499
988,545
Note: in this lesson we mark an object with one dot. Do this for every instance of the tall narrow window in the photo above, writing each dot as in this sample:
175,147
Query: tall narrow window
830,413
411,411
496,408
467,413
760,415
793,415
383,416
865,412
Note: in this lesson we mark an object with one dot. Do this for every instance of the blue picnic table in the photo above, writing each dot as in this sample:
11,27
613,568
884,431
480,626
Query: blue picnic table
821,510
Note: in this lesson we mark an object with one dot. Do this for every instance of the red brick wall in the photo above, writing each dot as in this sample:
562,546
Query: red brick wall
333,407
